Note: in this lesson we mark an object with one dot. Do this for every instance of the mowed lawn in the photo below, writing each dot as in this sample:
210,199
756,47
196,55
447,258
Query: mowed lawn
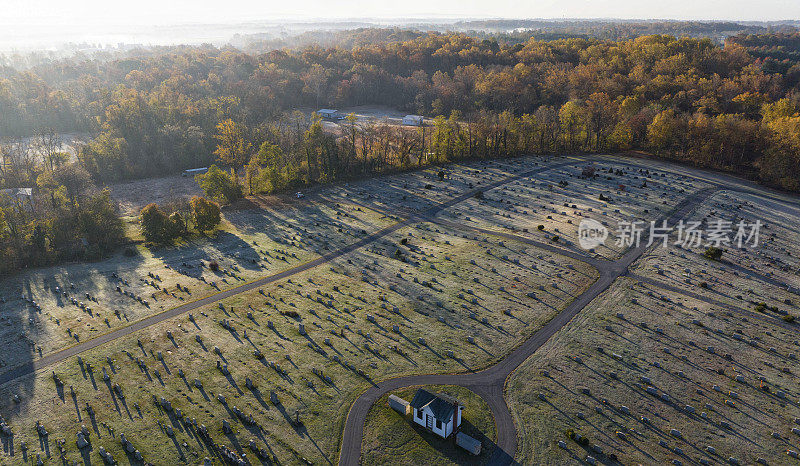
390,438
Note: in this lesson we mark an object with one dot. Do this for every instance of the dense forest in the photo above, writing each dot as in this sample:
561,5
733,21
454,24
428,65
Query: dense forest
734,107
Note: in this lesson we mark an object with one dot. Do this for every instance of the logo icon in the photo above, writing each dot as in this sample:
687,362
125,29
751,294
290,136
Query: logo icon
591,233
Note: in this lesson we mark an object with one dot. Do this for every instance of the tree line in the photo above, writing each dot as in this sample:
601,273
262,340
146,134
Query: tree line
725,106
61,216
159,112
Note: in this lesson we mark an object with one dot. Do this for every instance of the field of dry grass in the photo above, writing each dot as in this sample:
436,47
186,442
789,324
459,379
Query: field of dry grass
425,298
682,343
689,361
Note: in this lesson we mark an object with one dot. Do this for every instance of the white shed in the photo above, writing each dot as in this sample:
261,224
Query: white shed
439,413
413,120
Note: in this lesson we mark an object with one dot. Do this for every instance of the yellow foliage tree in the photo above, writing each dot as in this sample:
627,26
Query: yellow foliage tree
233,147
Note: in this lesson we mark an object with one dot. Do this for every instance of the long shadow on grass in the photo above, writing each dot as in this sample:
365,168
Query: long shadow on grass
27,305
449,449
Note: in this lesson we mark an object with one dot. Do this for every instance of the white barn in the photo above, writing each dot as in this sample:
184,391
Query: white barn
439,413
413,120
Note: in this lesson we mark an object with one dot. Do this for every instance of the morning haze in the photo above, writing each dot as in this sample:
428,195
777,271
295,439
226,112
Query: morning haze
472,233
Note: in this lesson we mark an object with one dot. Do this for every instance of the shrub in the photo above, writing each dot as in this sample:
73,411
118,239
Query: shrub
703,284
214,266
761,307
177,225
554,239
157,227
155,224
713,253
540,227
478,195
205,214
788,318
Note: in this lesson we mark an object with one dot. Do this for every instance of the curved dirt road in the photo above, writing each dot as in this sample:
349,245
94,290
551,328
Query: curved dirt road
490,382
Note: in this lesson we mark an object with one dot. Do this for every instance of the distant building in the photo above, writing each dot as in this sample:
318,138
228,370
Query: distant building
329,114
18,193
439,413
413,120
194,171
23,197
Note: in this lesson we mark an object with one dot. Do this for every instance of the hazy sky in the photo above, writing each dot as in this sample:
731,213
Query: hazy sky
49,24
71,13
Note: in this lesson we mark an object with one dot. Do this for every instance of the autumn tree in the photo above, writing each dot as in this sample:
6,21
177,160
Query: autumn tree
233,147
75,179
220,185
155,224
205,214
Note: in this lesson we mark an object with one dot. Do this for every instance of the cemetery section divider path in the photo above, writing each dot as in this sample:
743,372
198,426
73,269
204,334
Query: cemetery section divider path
490,383
572,253
714,302
727,181
59,356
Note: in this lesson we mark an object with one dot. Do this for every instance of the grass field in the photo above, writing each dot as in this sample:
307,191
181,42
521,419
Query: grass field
718,379
397,306
125,288
558,200
683,367
390,438
271,373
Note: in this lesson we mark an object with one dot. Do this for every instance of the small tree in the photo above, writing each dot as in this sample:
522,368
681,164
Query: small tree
177,225
233,146
155,224
217,184
713,253
205,214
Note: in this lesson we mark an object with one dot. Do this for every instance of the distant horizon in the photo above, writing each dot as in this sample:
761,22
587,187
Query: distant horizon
150,12
441,19
30,34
